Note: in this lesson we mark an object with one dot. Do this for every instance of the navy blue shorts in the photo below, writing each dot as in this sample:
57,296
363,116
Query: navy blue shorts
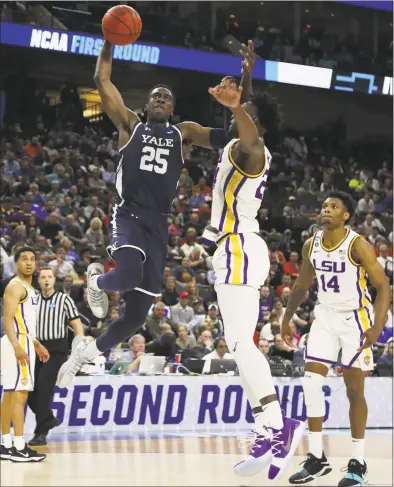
134,227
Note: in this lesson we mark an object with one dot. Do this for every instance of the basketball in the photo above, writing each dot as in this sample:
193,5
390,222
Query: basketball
121,25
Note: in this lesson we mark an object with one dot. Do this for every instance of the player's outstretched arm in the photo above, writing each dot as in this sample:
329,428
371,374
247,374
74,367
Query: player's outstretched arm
297,296
204,136
14,293
247,68
111,99
365,254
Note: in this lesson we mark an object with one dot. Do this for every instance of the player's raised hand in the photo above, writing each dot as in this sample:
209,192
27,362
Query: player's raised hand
249,57
369,338
227,93
21,355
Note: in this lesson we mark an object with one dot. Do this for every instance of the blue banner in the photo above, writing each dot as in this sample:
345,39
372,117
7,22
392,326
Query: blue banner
189,59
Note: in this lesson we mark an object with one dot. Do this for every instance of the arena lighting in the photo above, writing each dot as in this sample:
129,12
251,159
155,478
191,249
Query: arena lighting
180,58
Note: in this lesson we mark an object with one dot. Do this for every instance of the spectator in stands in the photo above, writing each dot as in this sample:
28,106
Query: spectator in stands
384,259
275,254
266,304
74,232
136,352
191,244
184,273
264,346
11,167
293,267
61,267
217,323
220,351
52,228
94,234
93,207
369,222
175,229
95,181
365,205
271,328
387,357
56,193
169,293
286,283
204,188
156,321
275,274
182,312
280,349
197,199
184,340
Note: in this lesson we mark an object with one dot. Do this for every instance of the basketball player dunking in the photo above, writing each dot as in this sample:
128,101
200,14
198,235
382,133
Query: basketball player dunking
146,180
241,265
344,321
18,348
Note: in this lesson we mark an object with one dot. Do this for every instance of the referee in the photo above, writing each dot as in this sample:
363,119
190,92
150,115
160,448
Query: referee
56,310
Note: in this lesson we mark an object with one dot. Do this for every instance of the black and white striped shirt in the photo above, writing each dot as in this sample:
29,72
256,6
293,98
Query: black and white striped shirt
54,314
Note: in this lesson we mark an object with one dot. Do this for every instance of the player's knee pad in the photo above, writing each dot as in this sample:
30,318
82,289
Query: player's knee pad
313,394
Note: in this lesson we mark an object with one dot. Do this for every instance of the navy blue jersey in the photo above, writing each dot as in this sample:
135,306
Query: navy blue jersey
150,165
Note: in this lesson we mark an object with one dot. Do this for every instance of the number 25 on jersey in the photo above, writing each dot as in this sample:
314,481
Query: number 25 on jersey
154,159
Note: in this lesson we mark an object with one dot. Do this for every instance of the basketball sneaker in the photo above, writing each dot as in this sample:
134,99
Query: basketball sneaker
97,299
74,363
284,443
312,468
355,475
26,455
5,453
259,457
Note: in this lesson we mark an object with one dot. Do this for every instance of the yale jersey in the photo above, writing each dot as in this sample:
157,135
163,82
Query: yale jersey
149,168
236,195
26,312
342,282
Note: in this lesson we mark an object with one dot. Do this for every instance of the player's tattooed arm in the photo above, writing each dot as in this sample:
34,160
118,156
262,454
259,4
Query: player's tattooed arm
365,254
112,102
14,293
297,296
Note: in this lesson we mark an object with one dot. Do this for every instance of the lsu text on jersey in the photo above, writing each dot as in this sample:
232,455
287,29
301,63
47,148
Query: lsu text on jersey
15,377
344,310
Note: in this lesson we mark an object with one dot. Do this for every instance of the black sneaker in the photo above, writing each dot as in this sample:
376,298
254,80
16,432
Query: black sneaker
26,455
38,440
355,474
313,467
5,453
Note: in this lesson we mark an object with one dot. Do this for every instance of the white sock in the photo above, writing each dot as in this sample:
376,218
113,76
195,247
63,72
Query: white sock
93,282
358,450
19,442
239,326
90,352
6,440
315,439
271,417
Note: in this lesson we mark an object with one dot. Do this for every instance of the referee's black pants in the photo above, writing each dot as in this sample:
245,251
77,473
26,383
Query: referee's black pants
40,399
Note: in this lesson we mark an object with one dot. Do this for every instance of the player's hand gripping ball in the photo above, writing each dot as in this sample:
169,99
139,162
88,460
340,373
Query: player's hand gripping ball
121,25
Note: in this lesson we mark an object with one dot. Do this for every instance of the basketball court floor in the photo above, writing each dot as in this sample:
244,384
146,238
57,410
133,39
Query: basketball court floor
187,459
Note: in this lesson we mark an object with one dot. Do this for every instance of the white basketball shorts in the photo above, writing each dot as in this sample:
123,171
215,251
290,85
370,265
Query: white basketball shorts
241,259
15,377
333,331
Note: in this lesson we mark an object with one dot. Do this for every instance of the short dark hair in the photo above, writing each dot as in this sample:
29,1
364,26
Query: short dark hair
160,85
217,341
346,199
20,251
268,111
46,268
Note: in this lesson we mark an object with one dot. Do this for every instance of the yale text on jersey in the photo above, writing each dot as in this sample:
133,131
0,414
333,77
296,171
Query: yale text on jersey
158,141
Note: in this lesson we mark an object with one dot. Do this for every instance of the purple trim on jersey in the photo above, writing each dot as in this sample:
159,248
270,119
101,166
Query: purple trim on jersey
360,294
246,259
23,318
223,217
361,332
207,242
228,261
28,353
317,359
237,190
17,326
369,317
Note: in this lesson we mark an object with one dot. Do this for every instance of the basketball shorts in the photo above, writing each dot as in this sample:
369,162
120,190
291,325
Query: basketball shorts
241,259
333,331
15,377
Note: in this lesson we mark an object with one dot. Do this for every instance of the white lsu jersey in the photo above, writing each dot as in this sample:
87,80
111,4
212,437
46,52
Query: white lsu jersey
26,312
342,282
237,195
